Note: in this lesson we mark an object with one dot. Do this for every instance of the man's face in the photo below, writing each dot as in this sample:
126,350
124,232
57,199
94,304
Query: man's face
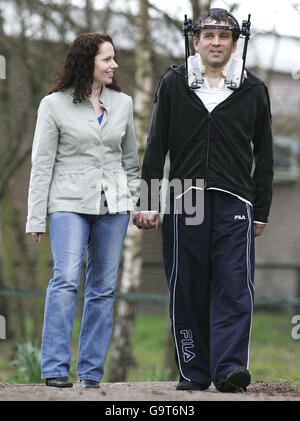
215,45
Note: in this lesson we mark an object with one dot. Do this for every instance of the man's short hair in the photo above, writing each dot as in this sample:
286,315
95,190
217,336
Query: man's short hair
219,15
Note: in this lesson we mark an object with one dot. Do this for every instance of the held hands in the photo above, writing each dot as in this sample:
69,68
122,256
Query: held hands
36,236
146,220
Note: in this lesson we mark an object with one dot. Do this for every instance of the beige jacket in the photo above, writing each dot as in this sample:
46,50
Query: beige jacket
74,158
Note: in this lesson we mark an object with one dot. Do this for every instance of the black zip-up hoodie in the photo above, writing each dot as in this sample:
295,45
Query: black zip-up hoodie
218,146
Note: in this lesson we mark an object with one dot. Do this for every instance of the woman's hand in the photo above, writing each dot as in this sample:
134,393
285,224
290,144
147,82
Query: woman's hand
36,236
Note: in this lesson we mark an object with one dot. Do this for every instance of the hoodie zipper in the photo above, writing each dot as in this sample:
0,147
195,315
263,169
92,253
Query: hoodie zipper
208,133
228,99
207,149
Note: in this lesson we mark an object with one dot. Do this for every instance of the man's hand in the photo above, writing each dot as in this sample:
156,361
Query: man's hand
36,236
146,220
258,229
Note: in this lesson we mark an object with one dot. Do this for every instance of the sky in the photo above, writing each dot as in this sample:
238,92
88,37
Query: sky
281,54
265,14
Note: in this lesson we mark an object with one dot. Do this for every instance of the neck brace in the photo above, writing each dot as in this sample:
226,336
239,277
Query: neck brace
231,72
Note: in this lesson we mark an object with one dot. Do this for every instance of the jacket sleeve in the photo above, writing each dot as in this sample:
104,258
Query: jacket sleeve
156,150
263,156
43,157
130,160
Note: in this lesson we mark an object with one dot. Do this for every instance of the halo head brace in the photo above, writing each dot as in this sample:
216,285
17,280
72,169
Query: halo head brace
219,16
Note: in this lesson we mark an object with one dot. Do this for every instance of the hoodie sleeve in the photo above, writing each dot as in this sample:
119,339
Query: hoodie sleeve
156,150
263,156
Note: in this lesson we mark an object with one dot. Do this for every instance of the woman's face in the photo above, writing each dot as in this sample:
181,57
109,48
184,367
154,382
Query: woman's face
104,64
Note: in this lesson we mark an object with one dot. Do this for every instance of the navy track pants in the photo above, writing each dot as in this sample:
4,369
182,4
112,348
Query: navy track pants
209,269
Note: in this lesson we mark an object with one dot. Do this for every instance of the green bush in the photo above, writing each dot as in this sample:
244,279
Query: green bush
28,364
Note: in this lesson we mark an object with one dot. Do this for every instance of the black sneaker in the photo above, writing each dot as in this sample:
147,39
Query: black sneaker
58,382
188,385
89,384
236,381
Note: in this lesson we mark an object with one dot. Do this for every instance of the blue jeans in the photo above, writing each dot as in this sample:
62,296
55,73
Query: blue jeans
71,234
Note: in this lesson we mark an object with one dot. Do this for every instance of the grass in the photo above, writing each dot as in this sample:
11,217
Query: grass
27,362
274,355
149,344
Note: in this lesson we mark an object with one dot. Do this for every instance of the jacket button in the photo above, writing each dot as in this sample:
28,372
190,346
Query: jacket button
98,166
105,188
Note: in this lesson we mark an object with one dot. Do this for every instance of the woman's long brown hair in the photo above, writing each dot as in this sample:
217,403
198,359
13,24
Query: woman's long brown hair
78,69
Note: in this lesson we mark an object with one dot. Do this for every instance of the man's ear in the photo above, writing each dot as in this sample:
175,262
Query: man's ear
196,44
234,46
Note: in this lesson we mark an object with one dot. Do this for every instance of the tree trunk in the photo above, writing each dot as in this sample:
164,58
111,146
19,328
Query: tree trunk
4,302
121,357
89,12
198,6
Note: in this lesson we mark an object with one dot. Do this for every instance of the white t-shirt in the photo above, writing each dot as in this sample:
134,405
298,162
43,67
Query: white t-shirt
211,97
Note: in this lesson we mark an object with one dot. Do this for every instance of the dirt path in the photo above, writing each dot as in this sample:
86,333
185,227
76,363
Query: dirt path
145,391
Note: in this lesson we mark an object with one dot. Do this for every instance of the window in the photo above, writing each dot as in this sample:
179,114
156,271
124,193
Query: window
286,156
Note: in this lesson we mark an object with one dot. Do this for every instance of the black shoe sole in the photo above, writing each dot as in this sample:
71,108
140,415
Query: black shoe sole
53,383
236,381
89,384
186,385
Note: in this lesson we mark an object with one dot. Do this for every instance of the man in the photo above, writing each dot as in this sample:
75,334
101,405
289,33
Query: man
222,136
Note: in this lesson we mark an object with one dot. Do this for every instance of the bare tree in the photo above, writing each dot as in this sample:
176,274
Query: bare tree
198,6
296,5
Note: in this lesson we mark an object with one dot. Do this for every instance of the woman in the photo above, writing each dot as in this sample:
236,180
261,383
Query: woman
85,175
